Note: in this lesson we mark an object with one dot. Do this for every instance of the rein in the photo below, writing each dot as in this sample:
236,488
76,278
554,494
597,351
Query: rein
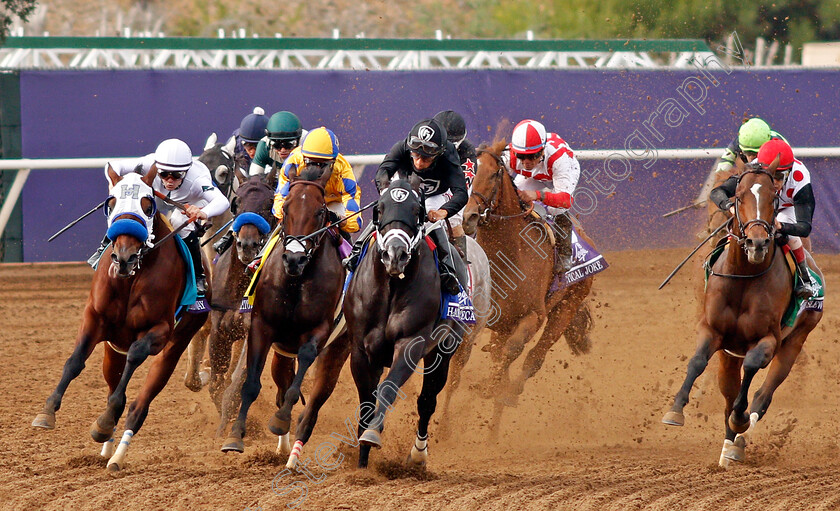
490,204
288,239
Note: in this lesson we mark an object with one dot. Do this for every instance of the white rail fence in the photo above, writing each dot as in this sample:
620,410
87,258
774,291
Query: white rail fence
25,166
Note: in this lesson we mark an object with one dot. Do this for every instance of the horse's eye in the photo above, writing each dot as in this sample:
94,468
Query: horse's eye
148,206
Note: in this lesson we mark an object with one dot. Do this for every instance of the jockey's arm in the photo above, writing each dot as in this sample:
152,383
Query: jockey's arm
204,190
351,194
803,205
565,173
395,160
260,161
723,193
458,188
727,159
282,189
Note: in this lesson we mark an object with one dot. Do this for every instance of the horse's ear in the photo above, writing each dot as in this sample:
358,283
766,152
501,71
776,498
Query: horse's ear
241,176
230,146
211,141
113,177
221,174
325,177
149,178
773,166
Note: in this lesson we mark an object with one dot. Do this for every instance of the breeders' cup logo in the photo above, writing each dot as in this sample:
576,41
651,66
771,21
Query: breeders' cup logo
399,194
425,133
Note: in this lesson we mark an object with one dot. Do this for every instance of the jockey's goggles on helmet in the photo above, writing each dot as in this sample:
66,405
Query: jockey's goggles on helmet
781,175
316,163
424,147
284,144
532,156
167,174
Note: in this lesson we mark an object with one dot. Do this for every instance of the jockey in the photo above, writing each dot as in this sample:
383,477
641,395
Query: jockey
183,179
282,134
456,132
751,136
248,135
796,206
427,153
320,148
545,169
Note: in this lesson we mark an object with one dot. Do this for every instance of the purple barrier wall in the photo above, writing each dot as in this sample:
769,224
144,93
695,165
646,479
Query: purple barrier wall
69,114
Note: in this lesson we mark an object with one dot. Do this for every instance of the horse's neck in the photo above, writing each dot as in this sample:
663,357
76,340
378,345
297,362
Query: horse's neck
508,199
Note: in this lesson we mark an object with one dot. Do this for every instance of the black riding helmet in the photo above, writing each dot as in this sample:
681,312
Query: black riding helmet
453,123
428,138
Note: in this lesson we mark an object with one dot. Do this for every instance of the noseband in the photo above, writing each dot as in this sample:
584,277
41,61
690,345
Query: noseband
299,243
770,226
487,205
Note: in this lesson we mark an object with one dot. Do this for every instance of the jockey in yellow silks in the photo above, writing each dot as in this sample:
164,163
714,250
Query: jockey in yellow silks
320,148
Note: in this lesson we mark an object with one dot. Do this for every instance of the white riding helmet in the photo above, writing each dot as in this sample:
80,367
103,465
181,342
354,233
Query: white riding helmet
173,155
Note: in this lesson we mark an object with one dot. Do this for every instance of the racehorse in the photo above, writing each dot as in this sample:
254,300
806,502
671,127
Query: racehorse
498,216
252,204
220,160
295,299
748,291
392,309
131,307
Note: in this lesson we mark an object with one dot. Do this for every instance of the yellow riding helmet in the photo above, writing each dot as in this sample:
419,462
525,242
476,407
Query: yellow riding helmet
320,143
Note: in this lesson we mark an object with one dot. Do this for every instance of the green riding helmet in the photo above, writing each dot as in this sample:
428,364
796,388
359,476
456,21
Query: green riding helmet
284,126
753,134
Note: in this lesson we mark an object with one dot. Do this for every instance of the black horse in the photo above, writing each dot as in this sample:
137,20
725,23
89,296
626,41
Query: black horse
294,304
392,308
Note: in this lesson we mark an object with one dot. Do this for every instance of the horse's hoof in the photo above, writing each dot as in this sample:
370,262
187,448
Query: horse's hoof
372,438
44,421
417,457
737,451
99,433
234,444
673,418
279,426
204,378
738,424
192,382
114,467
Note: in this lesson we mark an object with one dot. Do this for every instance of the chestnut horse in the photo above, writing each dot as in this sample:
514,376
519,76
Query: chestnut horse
228,326
131,307
498,216
747,293
294,304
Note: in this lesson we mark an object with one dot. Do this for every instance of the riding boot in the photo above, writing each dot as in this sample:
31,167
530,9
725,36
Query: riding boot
451,266
93,260
562,243
352,261
195,251
224,243
805,286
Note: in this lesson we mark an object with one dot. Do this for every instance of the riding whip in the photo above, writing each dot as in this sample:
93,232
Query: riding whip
74,222
684,208
221,229
724,224
322,229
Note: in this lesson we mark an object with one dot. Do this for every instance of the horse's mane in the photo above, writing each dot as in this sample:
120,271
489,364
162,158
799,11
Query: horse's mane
499,139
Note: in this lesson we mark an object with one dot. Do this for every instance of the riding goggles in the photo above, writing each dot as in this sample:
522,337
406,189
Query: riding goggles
310,162
533,156
166,174
418,144
284,144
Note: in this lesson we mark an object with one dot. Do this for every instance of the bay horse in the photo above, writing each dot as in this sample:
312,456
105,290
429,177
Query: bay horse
131,307
747,293
498,217
392,307
295,300
229,326
221,162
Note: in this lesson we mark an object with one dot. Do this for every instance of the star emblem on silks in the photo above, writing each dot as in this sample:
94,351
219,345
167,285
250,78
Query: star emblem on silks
469,172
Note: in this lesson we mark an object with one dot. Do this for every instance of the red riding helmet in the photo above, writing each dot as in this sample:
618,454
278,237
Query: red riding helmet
528,137
776,147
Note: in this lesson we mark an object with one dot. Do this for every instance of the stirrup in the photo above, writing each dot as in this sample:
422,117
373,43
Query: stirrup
224,243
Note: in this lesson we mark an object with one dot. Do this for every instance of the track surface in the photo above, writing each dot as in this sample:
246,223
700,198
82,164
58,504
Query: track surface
585,435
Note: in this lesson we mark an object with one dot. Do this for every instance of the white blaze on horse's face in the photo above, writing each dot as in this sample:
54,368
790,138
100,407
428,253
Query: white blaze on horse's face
755,191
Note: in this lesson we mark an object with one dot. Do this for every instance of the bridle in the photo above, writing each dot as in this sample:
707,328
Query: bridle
487,205
770,226
305,243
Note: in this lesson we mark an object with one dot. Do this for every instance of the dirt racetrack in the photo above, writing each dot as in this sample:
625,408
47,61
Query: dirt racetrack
585,435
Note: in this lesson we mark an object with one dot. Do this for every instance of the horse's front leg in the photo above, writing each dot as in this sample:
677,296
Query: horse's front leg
90,334
161,370
151,342
435,371
729,381
757,358
195,379
260,337
708,342
408,352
